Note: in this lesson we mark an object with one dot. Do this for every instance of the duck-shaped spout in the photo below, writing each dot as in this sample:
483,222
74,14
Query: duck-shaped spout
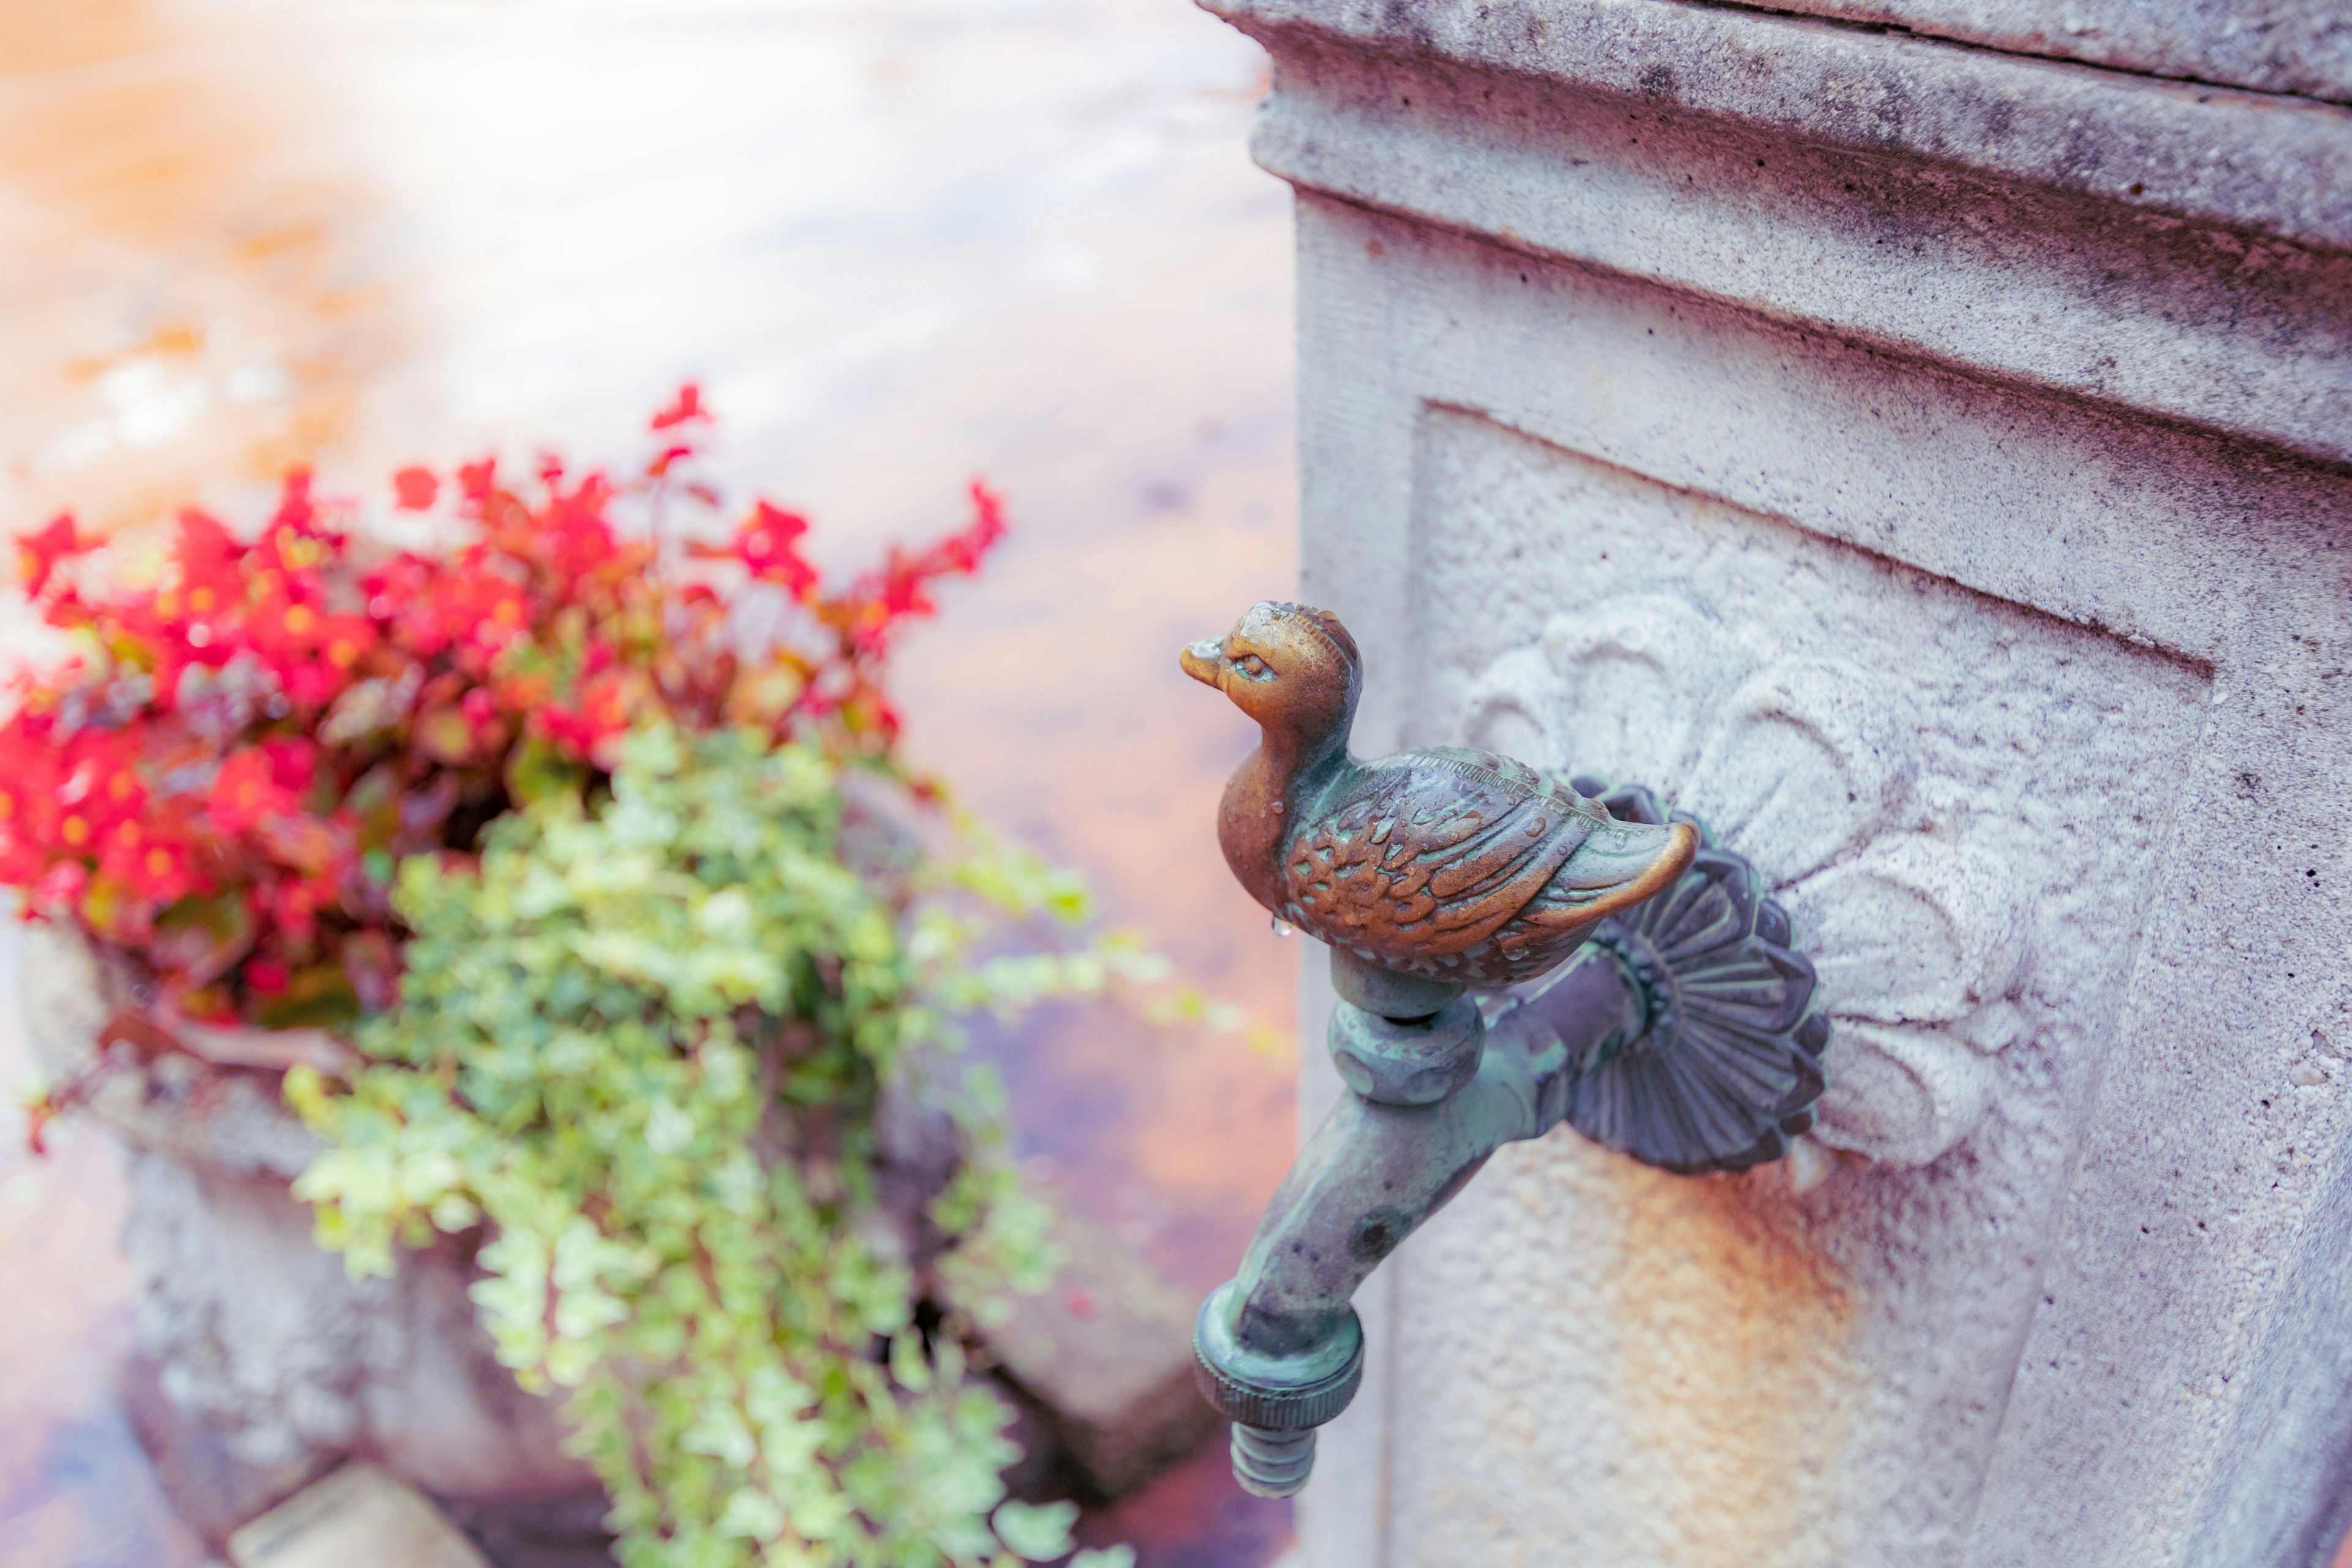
1682,1033
1456,866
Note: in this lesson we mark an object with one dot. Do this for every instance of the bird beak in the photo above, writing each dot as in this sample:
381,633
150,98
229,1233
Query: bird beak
1204,661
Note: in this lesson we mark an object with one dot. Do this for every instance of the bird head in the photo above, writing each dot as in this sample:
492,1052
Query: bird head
1294,670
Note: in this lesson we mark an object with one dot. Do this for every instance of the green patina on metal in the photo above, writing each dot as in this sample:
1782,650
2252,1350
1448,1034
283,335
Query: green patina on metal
1669,1018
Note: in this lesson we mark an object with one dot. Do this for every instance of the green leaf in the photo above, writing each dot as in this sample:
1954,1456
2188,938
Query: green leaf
641,1044
538,772
318,997
907,1365
1039,1532
204,937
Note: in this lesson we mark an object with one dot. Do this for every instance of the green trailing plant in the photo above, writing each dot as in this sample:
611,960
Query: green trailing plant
581,814
645,1039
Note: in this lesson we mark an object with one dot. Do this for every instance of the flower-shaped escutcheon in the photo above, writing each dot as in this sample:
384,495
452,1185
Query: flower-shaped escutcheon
1728,1065
1802,765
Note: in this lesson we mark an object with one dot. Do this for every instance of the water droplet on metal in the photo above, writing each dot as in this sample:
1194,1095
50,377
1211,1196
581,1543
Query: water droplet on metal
1283,928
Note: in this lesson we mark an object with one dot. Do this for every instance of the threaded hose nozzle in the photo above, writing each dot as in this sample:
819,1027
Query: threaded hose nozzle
1272,1464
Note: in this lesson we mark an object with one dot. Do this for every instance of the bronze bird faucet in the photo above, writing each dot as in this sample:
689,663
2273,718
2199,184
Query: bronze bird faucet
1460,867
1658,1005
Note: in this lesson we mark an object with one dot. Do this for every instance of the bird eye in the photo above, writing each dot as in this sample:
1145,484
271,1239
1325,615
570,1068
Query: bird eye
1249,664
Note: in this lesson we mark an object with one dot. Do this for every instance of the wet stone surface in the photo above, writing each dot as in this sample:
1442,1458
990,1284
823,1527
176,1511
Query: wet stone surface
900,243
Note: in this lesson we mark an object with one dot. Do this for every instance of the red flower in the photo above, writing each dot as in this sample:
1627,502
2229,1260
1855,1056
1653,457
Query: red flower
212,566
38,554
343,640
158,870
28,784
687,406
413,489
293,763
21,863
603,713
478,481
571,534
901,590
399,599
499,611
116,792
60,888
247,790
296,510
295,909
963,551
189,751
768,542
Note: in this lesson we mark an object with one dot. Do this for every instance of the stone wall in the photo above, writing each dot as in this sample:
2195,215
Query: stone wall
1928,463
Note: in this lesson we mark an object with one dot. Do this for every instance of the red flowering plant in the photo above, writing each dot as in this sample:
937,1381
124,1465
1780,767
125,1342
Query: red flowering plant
218,783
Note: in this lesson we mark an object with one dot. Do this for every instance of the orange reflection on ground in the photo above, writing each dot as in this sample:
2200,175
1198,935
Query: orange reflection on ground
171,263
901,242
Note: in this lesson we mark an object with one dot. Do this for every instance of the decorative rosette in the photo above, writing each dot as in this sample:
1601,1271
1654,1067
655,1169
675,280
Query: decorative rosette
1804,767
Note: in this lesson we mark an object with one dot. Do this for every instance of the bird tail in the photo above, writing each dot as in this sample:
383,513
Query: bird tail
1621,865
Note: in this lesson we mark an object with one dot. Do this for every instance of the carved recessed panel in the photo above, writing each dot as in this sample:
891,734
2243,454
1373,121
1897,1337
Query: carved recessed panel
1958,799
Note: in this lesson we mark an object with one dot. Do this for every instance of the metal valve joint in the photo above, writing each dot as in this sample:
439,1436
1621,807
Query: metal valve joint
1697,980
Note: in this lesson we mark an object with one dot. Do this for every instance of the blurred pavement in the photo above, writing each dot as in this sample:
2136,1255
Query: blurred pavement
901,243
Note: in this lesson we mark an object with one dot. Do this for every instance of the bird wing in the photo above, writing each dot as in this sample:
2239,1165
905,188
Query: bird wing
1432,852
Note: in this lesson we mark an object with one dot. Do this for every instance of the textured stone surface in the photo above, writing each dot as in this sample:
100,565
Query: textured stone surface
1106,1354
1886,747
1892,504
357,1518
2272,45
2225,157
212,1486
1960,801
2067,621
2166,250
266,1364
258,1337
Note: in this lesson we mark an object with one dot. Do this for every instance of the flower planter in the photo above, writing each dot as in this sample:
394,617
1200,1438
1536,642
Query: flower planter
264,1364
575,789
274,1362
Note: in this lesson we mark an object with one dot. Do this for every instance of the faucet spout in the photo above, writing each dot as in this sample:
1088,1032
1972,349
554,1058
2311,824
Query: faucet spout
1681,1032
1279,1346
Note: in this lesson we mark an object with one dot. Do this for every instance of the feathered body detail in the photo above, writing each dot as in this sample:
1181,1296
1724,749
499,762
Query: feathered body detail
1455,864
1441,863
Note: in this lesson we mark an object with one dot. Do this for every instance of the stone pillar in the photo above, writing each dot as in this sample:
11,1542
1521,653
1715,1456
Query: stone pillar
1922,450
